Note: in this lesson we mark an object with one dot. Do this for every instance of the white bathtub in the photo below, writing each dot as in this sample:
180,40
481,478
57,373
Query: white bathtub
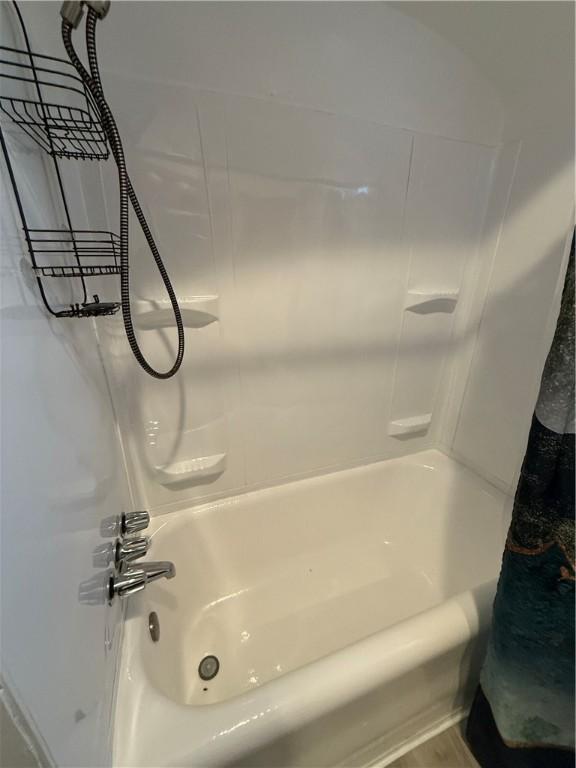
348,612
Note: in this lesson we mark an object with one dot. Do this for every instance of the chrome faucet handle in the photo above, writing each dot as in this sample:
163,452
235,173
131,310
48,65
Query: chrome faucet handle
127,582
132,522
131,549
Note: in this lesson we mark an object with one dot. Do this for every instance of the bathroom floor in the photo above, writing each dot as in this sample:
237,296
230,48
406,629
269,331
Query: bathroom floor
447,750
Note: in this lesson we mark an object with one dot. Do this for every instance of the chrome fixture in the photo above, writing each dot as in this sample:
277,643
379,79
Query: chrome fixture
126,582
132,522
128,547
72,10
163,569
131,549
131,579
208,667
154,626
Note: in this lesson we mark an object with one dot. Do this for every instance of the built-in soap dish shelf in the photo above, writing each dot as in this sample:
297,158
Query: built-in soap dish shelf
197,312
192,471
424,302
412,425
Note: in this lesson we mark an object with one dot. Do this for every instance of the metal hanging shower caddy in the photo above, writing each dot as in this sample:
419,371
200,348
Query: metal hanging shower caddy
36,88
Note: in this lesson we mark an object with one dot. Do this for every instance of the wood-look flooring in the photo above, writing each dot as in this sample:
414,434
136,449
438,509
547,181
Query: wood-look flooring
447,750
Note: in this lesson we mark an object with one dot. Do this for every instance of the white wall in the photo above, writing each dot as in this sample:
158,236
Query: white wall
61,476
519,315
529,244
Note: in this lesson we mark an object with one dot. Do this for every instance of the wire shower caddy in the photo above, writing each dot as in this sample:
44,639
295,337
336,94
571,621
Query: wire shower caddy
47,100
63,130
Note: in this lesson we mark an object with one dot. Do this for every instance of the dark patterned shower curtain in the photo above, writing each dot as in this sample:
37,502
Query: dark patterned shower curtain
523,713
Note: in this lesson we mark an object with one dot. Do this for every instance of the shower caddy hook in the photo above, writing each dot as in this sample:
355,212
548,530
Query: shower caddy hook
82,132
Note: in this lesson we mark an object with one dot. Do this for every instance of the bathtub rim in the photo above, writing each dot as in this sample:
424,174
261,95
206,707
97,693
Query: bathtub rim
434,458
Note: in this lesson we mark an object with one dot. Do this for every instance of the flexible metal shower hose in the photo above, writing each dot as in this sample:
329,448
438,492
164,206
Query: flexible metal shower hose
93,83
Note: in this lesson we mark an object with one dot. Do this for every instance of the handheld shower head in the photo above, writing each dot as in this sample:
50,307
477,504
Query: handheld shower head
71,15
72,10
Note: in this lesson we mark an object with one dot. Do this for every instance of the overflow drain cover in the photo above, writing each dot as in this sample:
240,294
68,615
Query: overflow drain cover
154,626
208,667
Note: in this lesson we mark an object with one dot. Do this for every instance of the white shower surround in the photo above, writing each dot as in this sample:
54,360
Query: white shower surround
315,232
313,216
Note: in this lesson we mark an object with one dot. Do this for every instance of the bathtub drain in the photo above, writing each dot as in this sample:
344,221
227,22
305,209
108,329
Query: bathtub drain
208,667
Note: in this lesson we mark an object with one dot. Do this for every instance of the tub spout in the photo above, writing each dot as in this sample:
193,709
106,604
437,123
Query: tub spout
160,570
133,578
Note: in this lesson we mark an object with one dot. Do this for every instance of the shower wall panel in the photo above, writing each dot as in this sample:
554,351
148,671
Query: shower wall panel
306,233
